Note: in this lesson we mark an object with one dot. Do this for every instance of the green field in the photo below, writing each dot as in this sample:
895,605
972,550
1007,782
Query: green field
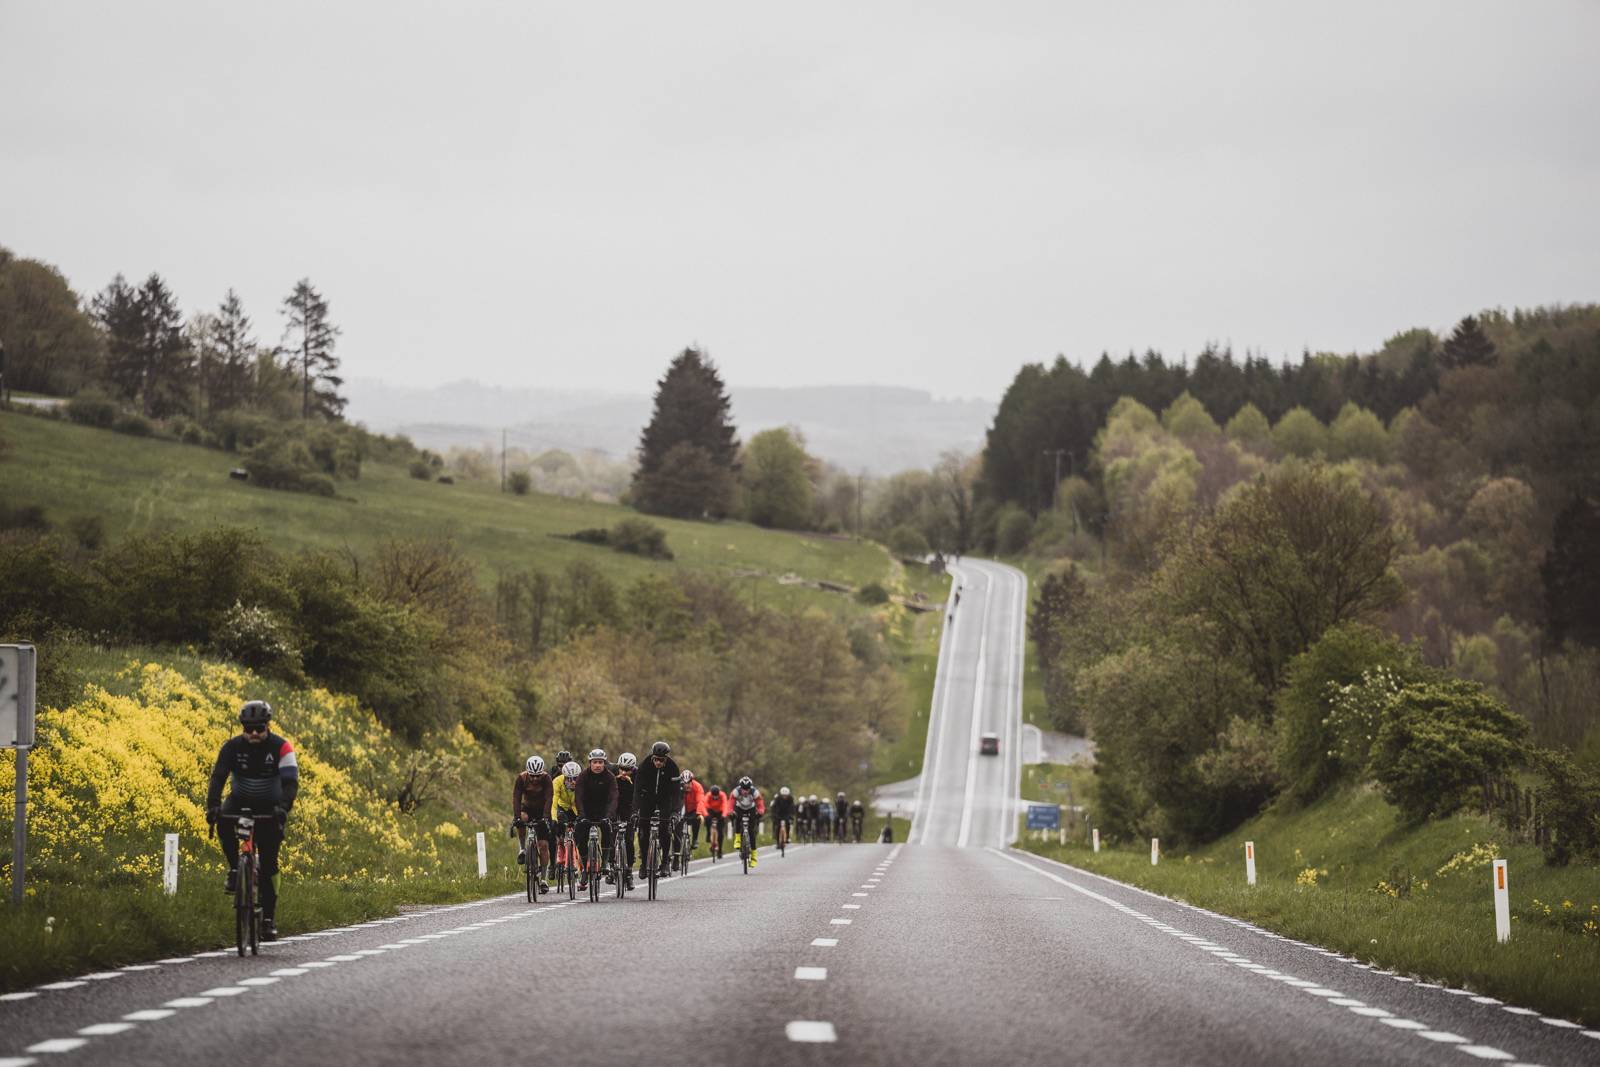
1344,873
145,485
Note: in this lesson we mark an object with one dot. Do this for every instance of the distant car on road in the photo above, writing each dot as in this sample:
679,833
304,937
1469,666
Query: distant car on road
989,744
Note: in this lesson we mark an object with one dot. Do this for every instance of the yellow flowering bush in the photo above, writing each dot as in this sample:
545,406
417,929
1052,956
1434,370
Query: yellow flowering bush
116,771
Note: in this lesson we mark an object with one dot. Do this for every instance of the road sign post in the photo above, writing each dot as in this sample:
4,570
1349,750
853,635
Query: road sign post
1250,863
1502,903
16,731
483,859
169,866
1044,816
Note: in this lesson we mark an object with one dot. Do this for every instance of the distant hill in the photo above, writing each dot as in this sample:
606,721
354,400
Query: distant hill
880,429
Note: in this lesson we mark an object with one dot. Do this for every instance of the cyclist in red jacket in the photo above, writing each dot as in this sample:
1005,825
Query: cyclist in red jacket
694,807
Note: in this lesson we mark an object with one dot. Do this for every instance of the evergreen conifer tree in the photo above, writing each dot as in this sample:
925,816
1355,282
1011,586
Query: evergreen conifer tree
1468,346
231,380
688,454
312,338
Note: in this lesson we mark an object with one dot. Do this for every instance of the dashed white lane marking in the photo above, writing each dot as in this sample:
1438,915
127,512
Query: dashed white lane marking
861,894
1514,1010
18,996
368,952
142,967
102,976
265,979
189,1002
343,959
1444,1037
810,974
58,1044
149,1015
63,985
851,906
810,1031
1404,1024
17,1061
1486,1052
101,1029
289,972
1561,1023
225,991
840,922
318,963
824,942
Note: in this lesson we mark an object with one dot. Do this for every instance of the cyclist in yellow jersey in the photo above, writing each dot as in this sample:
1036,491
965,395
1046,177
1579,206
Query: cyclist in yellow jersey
564,804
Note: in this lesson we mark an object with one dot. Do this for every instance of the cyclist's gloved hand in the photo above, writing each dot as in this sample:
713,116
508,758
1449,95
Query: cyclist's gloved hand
282,813
211,815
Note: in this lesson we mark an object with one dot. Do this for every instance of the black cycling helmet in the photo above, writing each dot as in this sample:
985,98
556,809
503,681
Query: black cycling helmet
255,712
563,758
660,748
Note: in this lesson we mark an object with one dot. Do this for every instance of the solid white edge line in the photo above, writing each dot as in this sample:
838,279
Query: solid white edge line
933,749
964,834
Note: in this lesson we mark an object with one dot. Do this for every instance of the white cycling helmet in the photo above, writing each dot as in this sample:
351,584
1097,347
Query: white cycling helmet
535,765
597,753
812,799
571,770
688,776
784,791
628,761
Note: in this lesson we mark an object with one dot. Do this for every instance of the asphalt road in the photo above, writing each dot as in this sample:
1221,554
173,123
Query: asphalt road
922,953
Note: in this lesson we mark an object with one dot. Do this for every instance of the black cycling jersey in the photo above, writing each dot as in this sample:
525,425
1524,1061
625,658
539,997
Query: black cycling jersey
264,773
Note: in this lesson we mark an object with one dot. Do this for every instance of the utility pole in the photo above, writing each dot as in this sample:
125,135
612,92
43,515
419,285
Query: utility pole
1055,486
860,480
502,460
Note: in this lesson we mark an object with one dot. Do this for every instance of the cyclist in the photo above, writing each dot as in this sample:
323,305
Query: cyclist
824,819
530,807
564,805
265,778
595,795
715,806
841,812
858,814
812,815
694,808
746,802
627,766
656,789
782,815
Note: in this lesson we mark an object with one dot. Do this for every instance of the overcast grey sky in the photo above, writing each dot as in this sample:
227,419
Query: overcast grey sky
864,192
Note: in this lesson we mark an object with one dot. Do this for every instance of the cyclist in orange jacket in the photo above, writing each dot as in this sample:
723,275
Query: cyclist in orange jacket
694,807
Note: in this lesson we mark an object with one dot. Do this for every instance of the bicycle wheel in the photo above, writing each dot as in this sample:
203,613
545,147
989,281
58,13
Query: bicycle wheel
253,912
619,861
241,912
530,852
650,862
591,866
744,846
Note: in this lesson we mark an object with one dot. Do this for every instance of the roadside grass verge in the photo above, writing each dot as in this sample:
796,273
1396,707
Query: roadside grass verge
1346,874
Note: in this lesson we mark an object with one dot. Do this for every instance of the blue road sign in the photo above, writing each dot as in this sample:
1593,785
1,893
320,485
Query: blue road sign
1044,817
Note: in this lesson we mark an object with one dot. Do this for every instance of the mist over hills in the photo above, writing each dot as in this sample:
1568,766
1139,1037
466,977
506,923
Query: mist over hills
878,429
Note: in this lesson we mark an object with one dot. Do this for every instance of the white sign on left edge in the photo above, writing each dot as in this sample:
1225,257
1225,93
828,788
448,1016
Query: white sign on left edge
16,696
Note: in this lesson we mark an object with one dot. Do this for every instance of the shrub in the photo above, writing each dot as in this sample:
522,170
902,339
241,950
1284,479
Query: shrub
907,542
178,587
134,424
593,536
1438,741
872,593
285,463
1568,800
257,638
92,408
239,431
29,517
519,482
640,538
88,530
421,470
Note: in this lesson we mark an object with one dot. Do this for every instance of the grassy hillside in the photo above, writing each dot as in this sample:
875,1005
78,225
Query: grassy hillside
1345,873
136,484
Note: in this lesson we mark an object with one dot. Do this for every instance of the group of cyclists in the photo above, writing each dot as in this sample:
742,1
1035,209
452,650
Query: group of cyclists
262,773
622,796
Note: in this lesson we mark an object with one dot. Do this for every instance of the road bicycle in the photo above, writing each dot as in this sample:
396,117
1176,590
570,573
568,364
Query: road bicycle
620,867
855,828
246,892
592,861
651,860
714,838
681,853
744,842
530,859
781,832
567,864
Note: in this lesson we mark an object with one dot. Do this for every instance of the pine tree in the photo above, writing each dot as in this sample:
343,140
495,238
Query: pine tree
231,380
1468,346
116,309
692,422
165,354
313,338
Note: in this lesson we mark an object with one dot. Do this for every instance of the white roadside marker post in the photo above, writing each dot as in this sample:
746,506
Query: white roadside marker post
1063,836
1250,863
1502,903
483,859
1155,851
1094,835
169,865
